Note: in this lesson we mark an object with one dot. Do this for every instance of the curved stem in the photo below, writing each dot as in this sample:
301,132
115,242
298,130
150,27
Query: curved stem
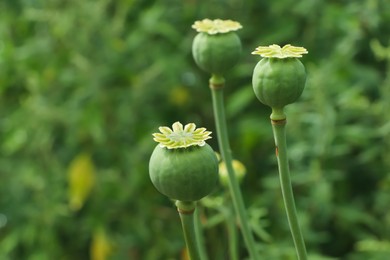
279,130
216,85
186,212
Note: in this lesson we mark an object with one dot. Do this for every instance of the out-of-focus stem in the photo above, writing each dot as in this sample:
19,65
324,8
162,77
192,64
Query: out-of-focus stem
232,234
199,234
217,84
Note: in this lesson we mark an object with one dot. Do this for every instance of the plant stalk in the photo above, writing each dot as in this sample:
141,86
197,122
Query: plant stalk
217,84
199,234
232,234
186,213
279,130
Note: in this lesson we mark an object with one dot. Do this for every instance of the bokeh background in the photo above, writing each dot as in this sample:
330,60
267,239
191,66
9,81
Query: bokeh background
84,84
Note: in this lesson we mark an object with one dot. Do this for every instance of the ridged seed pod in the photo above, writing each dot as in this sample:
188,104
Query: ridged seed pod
183,167
216,48
279,78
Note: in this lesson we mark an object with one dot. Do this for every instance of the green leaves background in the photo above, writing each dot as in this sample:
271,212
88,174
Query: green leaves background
100,77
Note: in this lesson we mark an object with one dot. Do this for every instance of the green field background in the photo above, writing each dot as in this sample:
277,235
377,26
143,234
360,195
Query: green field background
84,84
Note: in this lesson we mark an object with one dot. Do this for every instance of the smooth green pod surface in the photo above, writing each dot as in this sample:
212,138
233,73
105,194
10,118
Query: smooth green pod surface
186,174
216,53
278,82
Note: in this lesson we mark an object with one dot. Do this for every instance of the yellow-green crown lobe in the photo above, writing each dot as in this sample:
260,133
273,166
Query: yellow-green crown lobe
181,137
216,26
275,51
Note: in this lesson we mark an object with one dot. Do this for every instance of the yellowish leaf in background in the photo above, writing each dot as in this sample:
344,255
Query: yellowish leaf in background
81,178
100,246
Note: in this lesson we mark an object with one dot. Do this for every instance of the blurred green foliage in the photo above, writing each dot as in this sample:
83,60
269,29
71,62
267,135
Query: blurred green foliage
97,77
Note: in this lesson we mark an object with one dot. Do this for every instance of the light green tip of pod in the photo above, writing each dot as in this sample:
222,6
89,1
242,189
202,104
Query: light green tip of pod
217,79
185,205
277,114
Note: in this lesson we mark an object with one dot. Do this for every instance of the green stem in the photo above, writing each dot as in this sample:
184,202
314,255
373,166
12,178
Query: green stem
199,234
279,130
216,85
186,212
232,233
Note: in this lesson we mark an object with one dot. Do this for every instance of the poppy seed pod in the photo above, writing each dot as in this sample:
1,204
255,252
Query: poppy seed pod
186,174
216,48
278,82
183,167
216,53
279,78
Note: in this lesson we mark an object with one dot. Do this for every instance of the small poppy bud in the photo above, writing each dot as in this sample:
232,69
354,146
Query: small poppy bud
239,171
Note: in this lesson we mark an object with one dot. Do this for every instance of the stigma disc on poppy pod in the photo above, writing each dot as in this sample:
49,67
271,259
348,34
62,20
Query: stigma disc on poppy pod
279,78
183,166
216,48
